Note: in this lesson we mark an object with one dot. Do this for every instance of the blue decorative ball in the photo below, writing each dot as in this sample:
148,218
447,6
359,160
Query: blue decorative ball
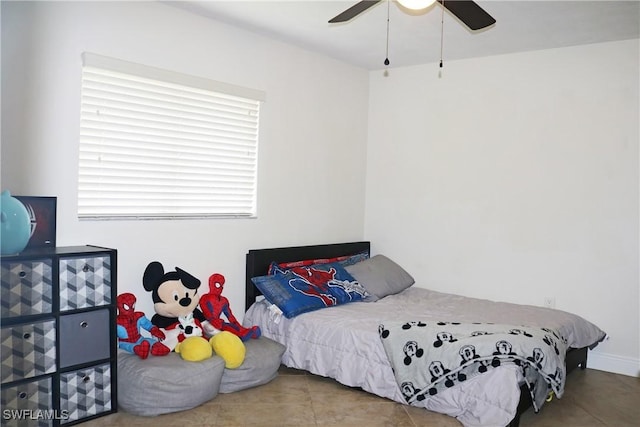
16,224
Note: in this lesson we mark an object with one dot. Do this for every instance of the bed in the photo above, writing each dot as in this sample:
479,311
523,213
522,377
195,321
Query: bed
344,342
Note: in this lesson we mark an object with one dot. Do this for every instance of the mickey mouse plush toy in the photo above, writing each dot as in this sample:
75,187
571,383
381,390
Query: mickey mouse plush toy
175,295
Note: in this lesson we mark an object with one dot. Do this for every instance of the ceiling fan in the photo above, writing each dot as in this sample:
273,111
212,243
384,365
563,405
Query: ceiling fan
472,15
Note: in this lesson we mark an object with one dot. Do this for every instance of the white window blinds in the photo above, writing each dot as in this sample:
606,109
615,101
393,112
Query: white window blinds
158,144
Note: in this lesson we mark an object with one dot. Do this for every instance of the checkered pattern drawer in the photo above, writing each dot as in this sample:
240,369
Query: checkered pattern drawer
23,404
85,282
85,392
28,350
26,288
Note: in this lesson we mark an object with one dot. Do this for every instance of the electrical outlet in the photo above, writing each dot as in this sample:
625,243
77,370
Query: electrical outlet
549,302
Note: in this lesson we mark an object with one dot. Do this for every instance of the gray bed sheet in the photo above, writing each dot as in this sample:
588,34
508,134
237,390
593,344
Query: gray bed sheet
342,343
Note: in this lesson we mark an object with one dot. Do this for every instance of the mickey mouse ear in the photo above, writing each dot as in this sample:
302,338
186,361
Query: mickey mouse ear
152,275
187,279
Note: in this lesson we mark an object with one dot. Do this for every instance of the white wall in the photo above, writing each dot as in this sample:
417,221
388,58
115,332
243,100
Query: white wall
312,132
514,178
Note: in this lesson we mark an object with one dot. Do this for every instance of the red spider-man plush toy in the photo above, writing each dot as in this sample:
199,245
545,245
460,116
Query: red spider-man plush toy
129,322
213,305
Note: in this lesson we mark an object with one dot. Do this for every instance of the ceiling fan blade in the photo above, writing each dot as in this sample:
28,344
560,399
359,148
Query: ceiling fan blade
353,11
472,15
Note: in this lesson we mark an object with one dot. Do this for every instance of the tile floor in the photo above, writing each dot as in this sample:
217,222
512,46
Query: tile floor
592,398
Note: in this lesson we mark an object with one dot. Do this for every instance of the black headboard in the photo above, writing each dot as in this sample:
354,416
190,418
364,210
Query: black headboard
258,260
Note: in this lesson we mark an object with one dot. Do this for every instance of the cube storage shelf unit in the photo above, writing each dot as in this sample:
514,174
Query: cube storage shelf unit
59,341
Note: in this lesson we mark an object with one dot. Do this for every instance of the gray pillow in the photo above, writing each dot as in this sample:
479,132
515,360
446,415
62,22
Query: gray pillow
380,276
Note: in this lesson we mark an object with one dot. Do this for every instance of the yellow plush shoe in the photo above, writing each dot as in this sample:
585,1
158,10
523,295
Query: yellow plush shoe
229,347
194,349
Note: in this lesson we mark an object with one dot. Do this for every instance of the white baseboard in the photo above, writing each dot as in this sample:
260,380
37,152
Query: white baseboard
615,364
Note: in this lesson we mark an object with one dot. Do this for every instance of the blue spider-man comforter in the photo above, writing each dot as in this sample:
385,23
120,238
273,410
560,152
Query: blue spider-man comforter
429,357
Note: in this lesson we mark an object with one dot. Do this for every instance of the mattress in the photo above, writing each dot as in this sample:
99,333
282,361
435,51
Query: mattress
342,342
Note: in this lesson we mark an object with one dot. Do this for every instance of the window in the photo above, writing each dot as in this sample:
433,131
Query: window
159,144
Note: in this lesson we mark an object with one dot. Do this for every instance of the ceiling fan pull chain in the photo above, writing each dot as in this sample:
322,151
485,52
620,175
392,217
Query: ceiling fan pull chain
386,59
442,34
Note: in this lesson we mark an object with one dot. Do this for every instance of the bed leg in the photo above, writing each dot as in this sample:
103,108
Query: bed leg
583,362
576,357
515,422
524,404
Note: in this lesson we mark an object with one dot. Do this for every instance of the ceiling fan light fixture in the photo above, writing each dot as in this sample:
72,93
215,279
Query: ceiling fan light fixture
416,4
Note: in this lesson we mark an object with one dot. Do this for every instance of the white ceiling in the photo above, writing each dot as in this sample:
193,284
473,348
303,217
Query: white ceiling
415,38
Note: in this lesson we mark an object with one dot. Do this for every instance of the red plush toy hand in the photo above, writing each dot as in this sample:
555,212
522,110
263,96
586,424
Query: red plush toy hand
217,323
156,332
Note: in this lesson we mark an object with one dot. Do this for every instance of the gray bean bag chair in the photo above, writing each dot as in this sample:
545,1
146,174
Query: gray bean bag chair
165,384
261,364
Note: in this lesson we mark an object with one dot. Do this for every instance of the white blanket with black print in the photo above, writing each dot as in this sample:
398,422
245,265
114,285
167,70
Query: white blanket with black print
429,357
